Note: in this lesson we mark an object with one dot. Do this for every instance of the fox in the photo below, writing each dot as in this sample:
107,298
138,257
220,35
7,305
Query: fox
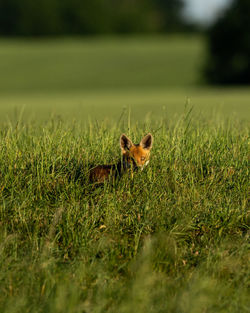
134,156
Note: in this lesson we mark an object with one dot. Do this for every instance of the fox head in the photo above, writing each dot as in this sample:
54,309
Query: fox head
136,155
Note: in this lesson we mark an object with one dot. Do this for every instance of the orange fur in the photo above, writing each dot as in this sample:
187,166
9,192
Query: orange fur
133,156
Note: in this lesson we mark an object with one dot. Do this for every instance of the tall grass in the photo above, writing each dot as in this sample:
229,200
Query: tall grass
173,238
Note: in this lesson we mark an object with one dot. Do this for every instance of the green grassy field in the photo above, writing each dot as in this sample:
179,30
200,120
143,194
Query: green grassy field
172,238
97,78
98,64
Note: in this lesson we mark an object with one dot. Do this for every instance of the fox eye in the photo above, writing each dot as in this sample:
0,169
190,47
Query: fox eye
142,158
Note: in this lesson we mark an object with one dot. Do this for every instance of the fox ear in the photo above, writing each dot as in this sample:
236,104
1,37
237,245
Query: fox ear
147,142
125,143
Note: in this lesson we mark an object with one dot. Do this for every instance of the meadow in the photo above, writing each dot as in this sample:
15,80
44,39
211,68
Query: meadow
172,238
99,77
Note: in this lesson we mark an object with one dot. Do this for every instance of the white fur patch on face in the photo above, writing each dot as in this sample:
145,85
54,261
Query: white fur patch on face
145,164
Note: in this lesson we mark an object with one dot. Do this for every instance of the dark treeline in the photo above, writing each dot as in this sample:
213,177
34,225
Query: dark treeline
228,55
83,17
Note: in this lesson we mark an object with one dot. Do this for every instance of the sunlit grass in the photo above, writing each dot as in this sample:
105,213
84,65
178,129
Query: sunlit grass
173,238
109,105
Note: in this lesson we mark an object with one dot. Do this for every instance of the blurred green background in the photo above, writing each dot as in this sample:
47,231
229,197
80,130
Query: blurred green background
79,60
